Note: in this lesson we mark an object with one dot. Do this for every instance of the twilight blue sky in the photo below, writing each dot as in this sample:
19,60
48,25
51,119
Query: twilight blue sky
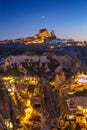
22,18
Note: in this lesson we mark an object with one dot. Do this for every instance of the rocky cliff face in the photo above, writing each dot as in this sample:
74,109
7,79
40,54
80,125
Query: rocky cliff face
45,36
41,66
43,33
78,53
8,109
52,104
52,33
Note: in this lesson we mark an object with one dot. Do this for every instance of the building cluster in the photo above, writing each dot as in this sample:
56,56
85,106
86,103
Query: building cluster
24,92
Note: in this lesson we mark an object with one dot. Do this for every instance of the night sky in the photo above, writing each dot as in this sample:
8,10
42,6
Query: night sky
23,18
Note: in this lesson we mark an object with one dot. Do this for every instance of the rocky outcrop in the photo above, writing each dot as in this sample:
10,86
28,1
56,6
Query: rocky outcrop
52,34
44,36
43,33
52,106
41,66
8,109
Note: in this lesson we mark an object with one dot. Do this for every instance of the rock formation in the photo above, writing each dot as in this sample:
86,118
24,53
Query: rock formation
43,33
8,109
52,106
52,34
44,65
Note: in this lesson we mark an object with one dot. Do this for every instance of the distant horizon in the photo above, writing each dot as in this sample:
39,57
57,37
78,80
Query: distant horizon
20,18
37,32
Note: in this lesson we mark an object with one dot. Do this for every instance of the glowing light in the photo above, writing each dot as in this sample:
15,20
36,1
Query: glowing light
12,80
28,112
9,89
83,80
8,78
8,123
28,103
79,107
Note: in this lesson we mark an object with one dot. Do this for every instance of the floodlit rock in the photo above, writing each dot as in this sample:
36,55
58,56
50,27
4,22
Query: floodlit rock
52,34
43,33
57,105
